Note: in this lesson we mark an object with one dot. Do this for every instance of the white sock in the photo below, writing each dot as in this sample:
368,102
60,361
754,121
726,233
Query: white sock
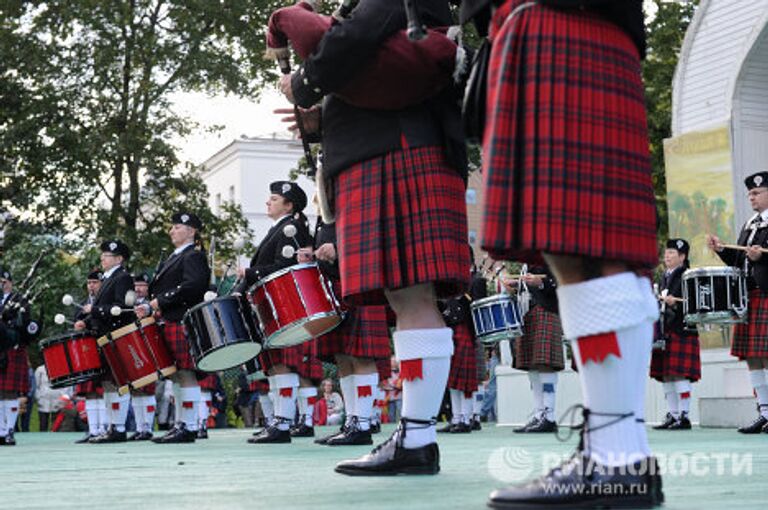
204,411
456,405
92,412
285,406
119,410
617,310
177,409
466,408
190,401
103,415
683,390
538,400
347,384
11,413
477,400
760,384
548,393
3,426
431,351
150,405
673,400
139,410
307,398
267,409
378,399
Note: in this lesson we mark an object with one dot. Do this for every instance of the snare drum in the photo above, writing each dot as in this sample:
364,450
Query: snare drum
497,318
253,371
294,305
714,295
136,355
71,358
222,333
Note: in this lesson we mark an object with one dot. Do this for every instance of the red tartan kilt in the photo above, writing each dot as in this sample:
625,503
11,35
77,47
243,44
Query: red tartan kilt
566,161
258,386
311,367
91,386
175,337
364,333
15,376
750,339
401,220
384,368
207,383
146,391
680,358
463,374
289,356
542,341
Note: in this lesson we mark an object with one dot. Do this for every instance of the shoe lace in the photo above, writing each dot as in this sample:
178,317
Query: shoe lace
583,427
402,427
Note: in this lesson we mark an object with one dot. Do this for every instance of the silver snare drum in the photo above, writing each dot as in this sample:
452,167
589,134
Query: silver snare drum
714,295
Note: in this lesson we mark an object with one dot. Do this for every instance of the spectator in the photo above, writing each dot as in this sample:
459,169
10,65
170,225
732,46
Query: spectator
393,388
333,403
245,401
48,399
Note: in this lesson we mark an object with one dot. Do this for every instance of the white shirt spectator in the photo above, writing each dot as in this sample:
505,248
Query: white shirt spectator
48,399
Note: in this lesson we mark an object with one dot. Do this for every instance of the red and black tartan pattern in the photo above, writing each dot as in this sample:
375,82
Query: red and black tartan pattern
175,337
542,341
680,358
289,356
463,374
566,161
208,382
750,339
311,367
258,386
91,386
15,376
401,220
363,333
384,368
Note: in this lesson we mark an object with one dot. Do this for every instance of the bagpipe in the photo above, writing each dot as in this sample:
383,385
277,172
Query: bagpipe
16,323
411,66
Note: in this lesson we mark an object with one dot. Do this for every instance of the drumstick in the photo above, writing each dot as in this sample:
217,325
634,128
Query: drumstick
742,248
67,300
675,299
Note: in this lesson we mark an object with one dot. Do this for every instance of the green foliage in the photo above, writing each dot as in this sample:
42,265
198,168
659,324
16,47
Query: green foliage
665,38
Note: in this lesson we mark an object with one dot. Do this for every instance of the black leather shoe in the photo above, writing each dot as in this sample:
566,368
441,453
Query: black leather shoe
375,428
350,437
461,428
542,426
303,430
475,423
446,429
683,423
85,439
668,422
141,436
202,433
580,483
8,440
533,421
765,429
111,436
272,435
178,434
324,439
755,427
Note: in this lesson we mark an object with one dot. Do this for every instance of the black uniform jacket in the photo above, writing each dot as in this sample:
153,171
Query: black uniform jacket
13,323
757,276
351,134
269,255
180,283
326,233
628,14
673,315
111,294
546,295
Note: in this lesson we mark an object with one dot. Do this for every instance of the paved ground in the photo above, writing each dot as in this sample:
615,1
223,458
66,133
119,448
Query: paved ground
708,469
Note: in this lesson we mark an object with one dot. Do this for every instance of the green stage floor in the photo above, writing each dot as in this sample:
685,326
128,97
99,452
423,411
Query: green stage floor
712,469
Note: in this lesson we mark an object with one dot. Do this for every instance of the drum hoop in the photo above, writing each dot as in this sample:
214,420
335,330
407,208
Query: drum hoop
81,377
52,340
218,299
301,322
497,337
712,271
129,328
497,298
281,272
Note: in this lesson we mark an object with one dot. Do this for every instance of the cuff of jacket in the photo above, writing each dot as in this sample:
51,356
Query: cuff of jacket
305,92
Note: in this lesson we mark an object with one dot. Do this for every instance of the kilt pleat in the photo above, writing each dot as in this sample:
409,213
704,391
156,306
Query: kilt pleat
542,341
401,221
90,386
364,333
750,339
207,383
15,376
288,356
566,161
311,367
463,373
680,358
175,337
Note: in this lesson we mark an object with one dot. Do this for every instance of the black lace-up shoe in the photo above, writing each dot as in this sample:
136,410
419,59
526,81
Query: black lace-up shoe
272,435
669,420
178,434
532,422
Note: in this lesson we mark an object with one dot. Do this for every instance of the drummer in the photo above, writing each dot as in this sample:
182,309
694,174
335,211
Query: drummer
143,400
277,251
179,284
98,317
540,350
750,339
677,364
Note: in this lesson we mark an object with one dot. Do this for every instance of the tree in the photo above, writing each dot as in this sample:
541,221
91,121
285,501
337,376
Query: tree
665,38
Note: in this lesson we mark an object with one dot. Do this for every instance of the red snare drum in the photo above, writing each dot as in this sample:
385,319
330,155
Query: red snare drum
136,355
71,358
294,305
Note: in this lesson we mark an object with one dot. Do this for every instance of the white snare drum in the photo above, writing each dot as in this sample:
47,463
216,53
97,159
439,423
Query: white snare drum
714,295
497,318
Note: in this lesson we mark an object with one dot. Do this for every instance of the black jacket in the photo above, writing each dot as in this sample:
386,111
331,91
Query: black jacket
627,14
14,322
673,315
350,134
326,233
546,295
180,283
269,255
758,271
112,293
